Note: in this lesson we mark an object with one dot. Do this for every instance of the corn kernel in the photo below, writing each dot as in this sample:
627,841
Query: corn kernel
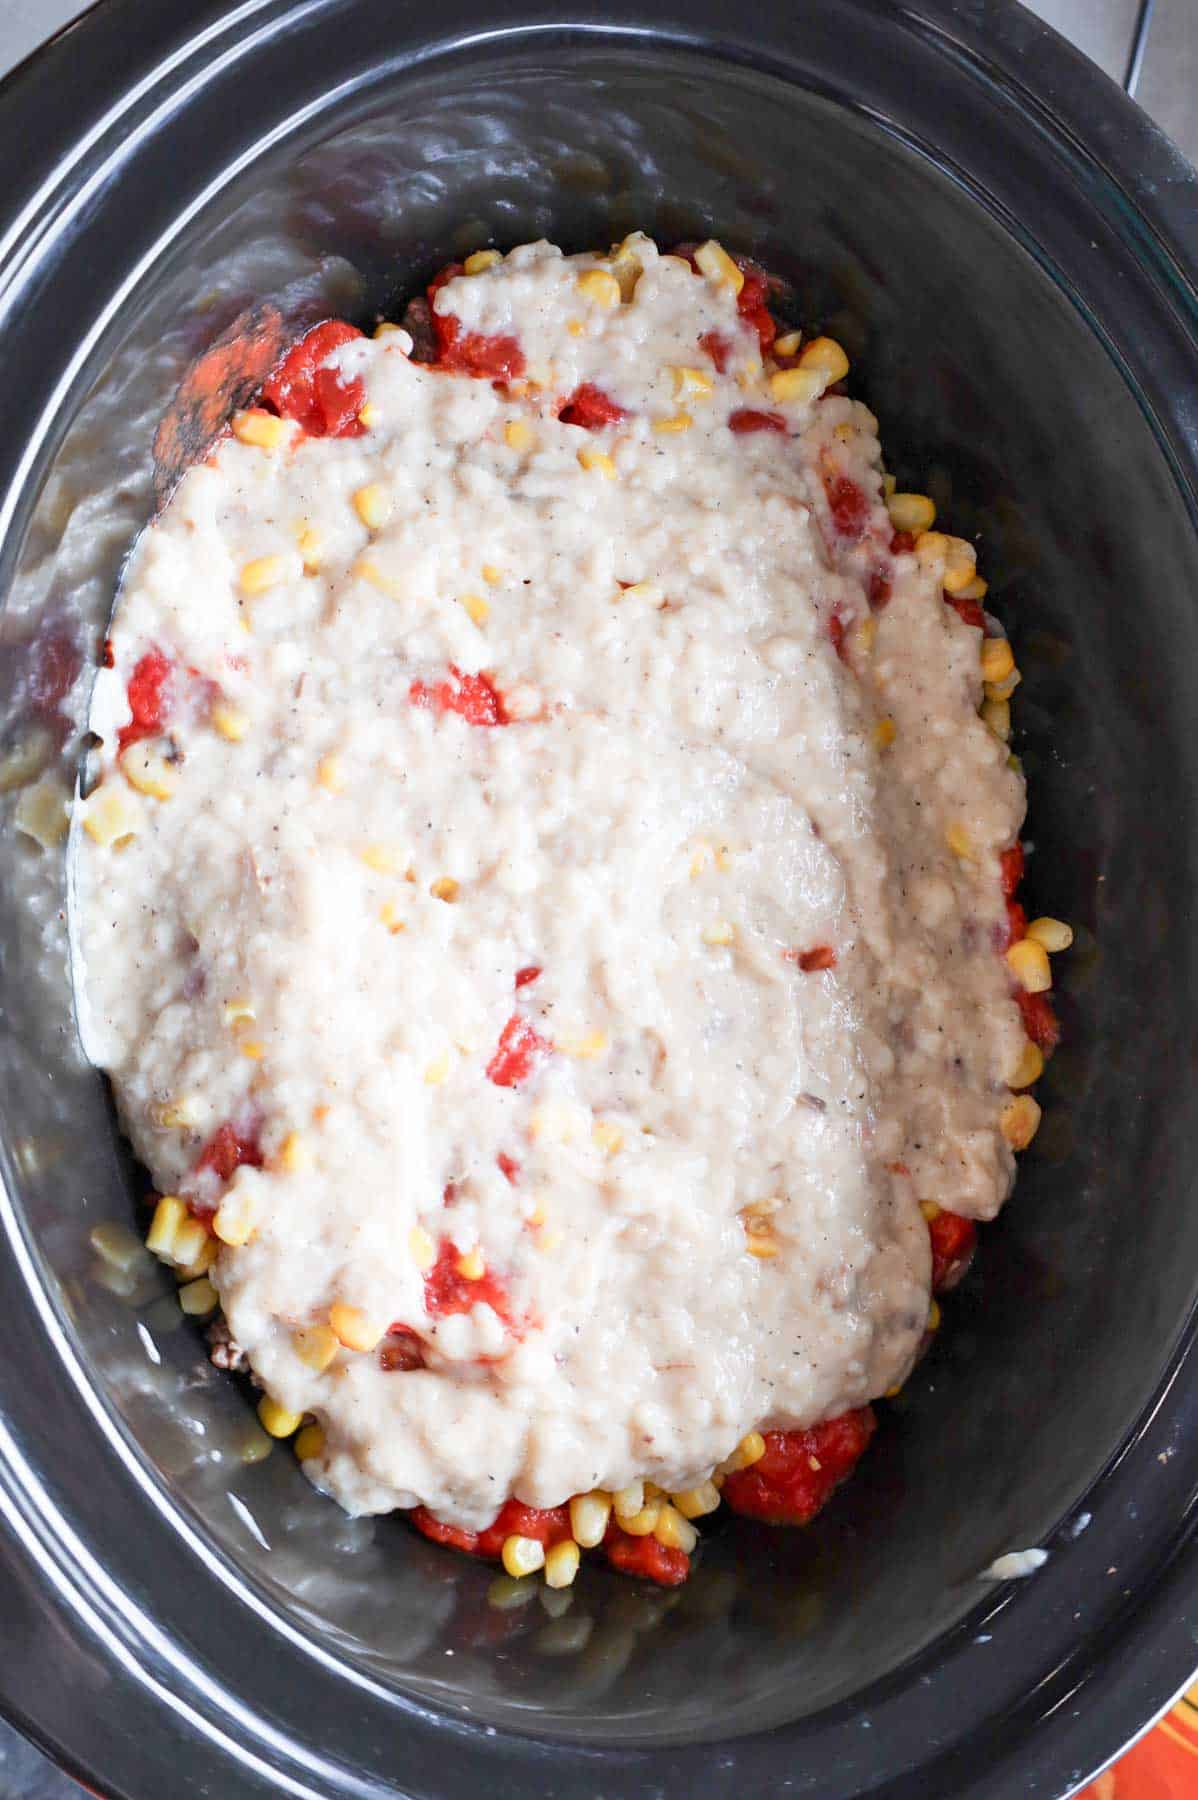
445,888
522,1555
959,558
1028,963
589,1514
681,421
518,434
997,659
796,386
751,1449
930,1210
263,573
390,915
259,428
607,1137
1020,1121
491,573
437,1072
691,384
421,1248
958,841
234,1012
885,732
996,717
977,589
253,1049
696,1502
788,344
628,1500
599,286
911,512
197,1265
825,356
674,1530
233,1223
41,814
476,608
309,1442
561,1564
761,1243
198,1298
315,1345
1029,1068
576,328
190,1242
330,773
470,1265
294,1154
373,505
586,1046
353,1328
721,932
599,462
116,1245
146,768
276,1421
180,1114
1002,690
385,328
865,636
713,261
479,260
889,484
169,1215
934,1316
369,416
642,1523
1054,934
230,723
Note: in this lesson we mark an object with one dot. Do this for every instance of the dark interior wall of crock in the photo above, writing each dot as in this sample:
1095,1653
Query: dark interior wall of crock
992,390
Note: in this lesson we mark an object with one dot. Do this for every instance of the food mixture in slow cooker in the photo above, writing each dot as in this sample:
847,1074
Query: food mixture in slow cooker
547,906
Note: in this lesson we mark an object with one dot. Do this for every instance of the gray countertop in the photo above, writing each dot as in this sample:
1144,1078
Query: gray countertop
1166,86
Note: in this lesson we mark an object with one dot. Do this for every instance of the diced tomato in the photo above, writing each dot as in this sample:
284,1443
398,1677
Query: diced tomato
400,1351
822,957
508,1166
645,1557
448,1291
902,543
227,1149
548,1524
879,589
519,1050
850,507
526,976
836,633
149,698
747,418
800,1469
470,352
474,698
954,1240
969,610
1016,923
718,347
1039,1020
320,400
591,408
750,304
108,658
1011,865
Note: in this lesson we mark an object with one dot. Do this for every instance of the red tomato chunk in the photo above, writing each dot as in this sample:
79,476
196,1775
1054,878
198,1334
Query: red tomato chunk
474,698
149,698
519,1050
750,304
954,1240
524,977
508,1166
1039,1020
591,408
447,1291
548,1524
645,1557
470,352
902,543
969,610
320,400
227,1149
1011,868
747,419
821,957
836,633
718,347
800,1470
850,507
401,1351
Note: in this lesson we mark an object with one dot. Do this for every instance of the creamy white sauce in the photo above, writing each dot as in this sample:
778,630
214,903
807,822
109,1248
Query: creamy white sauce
687,764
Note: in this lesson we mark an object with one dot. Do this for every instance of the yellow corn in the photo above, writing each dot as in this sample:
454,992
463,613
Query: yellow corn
41,814
607,1137
599,462
190,1242
977,589
586,1047
751,1449
198,1298
930,1210
437,1072
476,608
309,1442
369,416
889,484
315,1345
713,261
911,512
330,773
234,1012
421,1248
589,1514
576,328
788,343
796,386
1028,963
233,1223
1029,1068
145,767
518,434
561,1564
960,558
385,328
1002,690
691,384
229,723
1054,934
445,888
721,932
373,505
681,421
252,1048
384,859
599,286
997,659
491,573
674,1530
310,542
480,260
353,1328
934,1316
885,732
996,716
390,916
958,841
522,1555
169,1215
471,1266
276,1421
696,1502
263,573
628,1500
865,636
825,356
1020,1121
642,1523
259,428
201,1262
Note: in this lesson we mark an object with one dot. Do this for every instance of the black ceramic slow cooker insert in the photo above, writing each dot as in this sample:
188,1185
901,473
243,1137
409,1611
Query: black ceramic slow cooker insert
1008,250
